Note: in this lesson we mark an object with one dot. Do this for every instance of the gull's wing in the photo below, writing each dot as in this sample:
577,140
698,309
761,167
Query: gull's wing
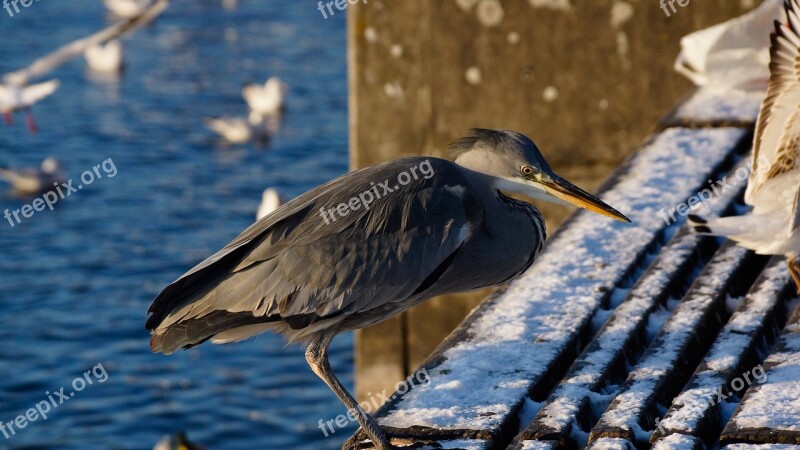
777,137
6,96
795,213
35,92
295,269
47,63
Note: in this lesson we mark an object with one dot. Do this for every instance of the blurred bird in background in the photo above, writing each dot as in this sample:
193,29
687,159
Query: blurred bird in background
270,201
177,441
267,99
16,92
239,130
106,58
31,181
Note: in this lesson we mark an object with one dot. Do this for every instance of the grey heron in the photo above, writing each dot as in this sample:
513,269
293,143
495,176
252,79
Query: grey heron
773,187
328,262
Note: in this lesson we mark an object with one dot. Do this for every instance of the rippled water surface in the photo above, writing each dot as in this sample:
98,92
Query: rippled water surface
75,282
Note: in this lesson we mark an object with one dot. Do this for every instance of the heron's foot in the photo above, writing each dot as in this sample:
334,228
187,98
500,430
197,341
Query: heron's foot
360,441
794,271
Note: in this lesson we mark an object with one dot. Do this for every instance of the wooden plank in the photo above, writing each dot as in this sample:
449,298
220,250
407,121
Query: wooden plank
761,447
623,336
678,442
611,444
708,107
770,412
679,346
732,364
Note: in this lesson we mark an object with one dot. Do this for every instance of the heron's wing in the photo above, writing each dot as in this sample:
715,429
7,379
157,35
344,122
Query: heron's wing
777,134
47,63
35,92
300,266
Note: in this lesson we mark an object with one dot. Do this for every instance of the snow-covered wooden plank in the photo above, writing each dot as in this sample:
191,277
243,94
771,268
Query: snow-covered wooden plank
678,347
623,336
770,412
730,366
678,442
611,444
710,107
537,445
461,444
761,447
521,340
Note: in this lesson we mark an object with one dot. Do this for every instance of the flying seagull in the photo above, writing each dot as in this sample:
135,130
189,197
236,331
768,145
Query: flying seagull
15,92
772,227
368,245
15,98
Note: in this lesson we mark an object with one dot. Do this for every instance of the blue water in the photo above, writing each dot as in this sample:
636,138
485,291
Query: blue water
75,283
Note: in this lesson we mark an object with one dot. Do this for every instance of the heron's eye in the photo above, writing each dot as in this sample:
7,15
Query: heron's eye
527,170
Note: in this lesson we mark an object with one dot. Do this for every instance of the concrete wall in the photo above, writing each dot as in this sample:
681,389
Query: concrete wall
585,79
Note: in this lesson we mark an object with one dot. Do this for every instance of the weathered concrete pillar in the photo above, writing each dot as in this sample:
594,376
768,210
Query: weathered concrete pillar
585,79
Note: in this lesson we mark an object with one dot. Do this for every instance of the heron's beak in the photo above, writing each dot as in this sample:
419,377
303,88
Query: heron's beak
568,192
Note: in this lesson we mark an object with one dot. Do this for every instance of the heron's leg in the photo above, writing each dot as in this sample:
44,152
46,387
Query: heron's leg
794,271
317,357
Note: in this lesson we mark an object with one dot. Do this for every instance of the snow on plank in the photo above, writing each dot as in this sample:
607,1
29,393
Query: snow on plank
520,340
611,444
711,107
622,336
678,347
537,445
761,447
770,412
731,364
679,442
462,444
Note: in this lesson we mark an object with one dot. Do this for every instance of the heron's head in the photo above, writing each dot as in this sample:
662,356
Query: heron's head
519,167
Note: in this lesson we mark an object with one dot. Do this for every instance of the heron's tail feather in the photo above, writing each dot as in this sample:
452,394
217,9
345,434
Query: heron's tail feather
221,327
